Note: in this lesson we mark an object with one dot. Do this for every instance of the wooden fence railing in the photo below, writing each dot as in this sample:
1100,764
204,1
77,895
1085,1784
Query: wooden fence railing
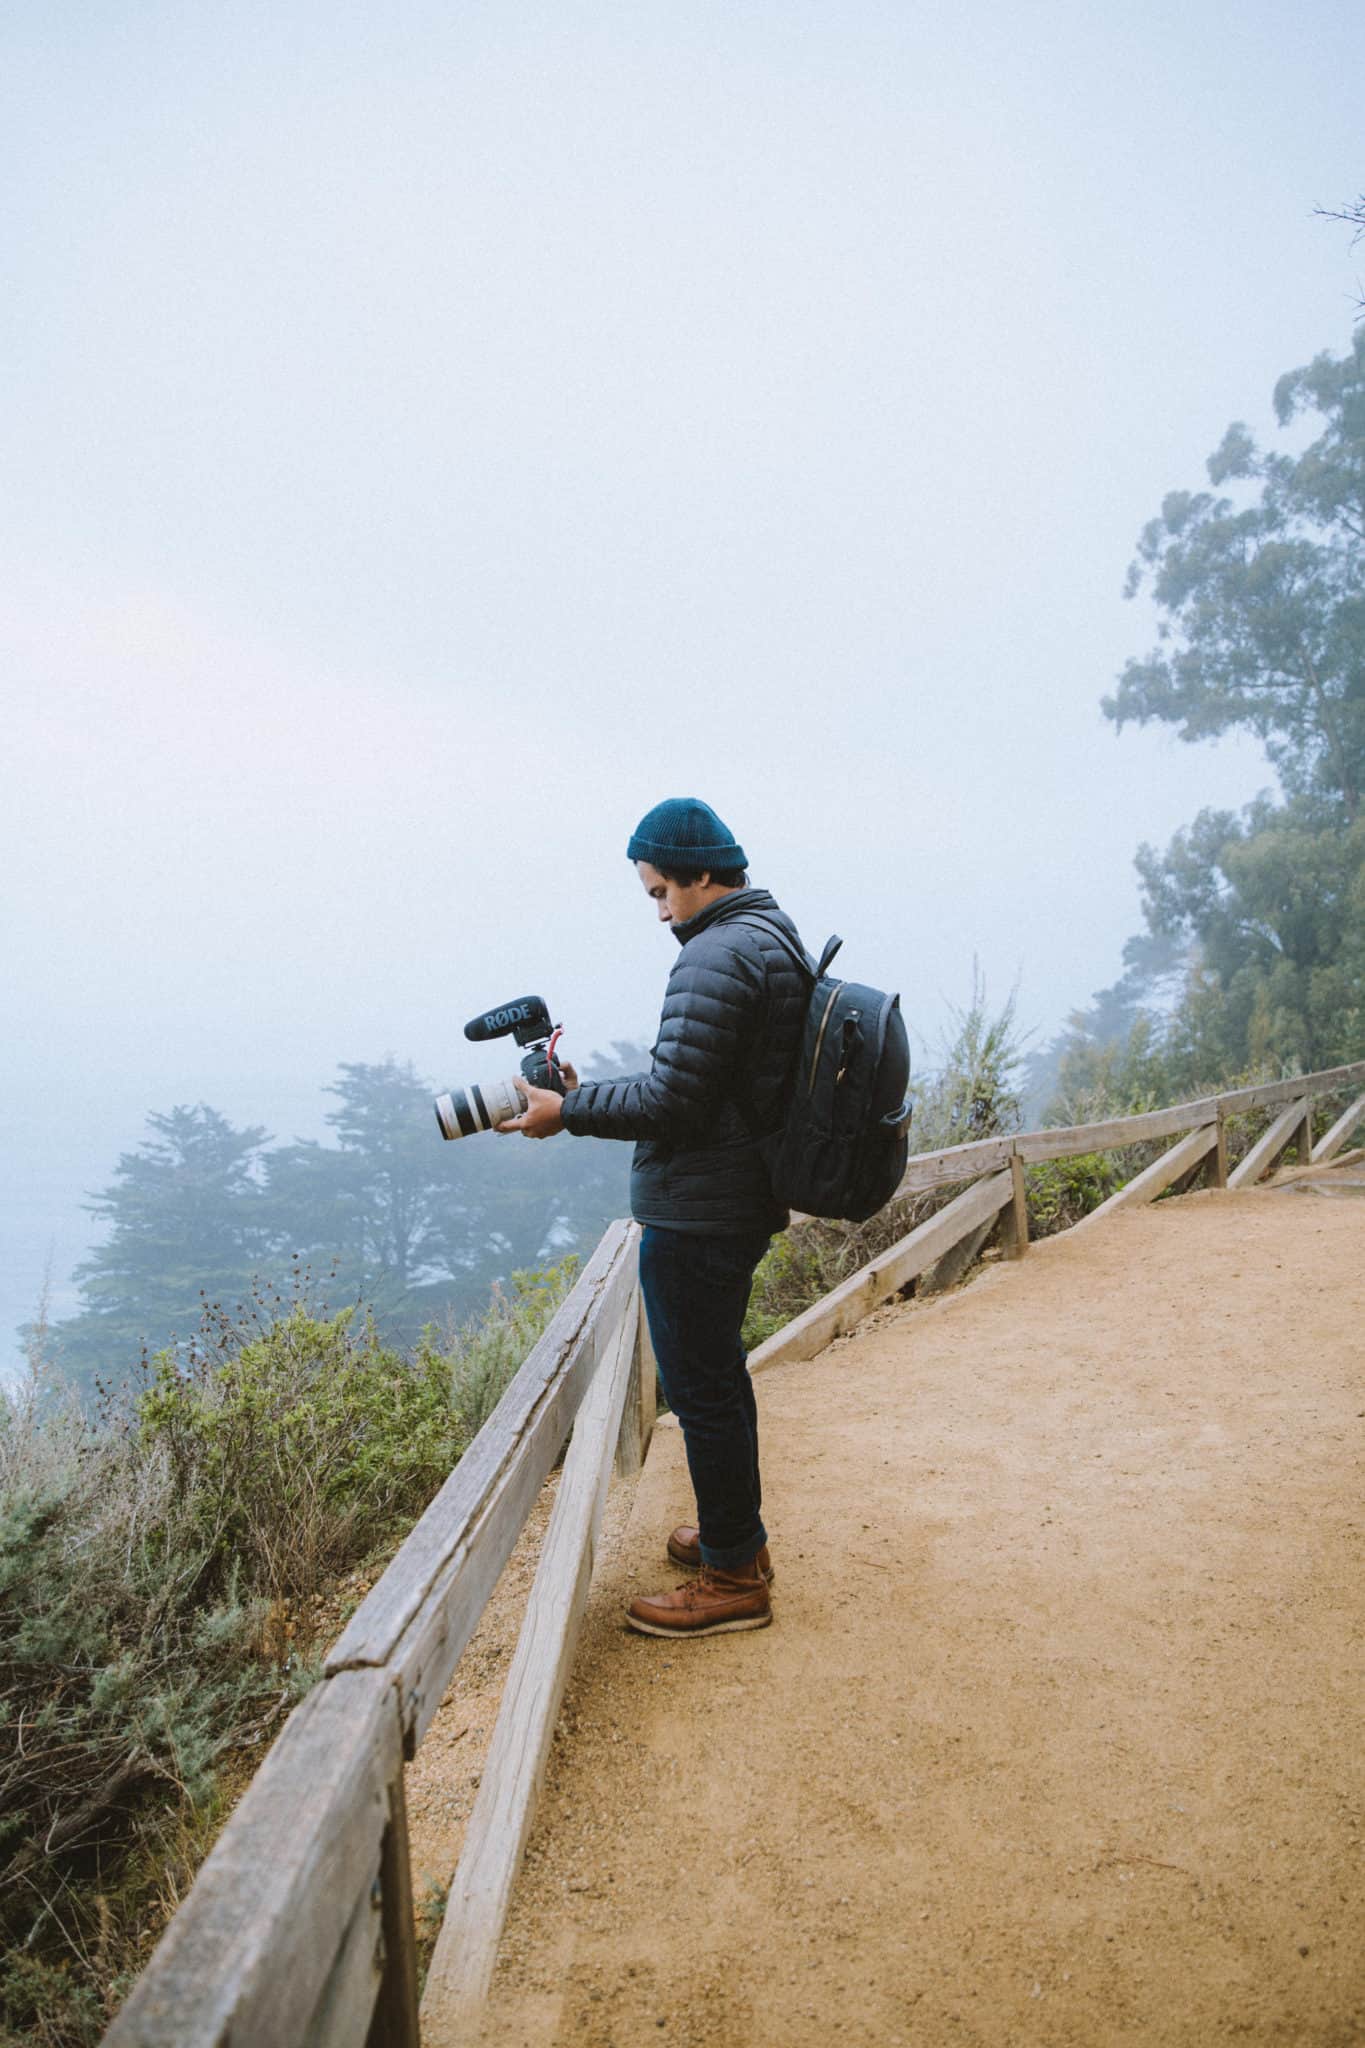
958,1231
299,1930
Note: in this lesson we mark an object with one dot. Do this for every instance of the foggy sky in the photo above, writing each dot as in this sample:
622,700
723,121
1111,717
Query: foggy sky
429,440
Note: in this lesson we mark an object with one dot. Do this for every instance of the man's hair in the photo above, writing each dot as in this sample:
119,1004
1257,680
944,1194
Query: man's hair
728,878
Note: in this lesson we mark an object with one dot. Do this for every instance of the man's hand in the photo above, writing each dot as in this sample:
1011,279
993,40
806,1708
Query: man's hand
541,1117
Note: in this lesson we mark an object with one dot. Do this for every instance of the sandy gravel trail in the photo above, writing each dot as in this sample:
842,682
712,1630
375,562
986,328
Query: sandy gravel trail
1057,1736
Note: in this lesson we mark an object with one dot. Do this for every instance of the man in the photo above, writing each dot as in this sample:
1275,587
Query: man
732,1017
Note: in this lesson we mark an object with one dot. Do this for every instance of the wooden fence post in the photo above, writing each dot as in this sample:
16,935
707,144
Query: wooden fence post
1014,1215
1332,1140
637,1423
1216,1168
395,2022
1268,1147
947,1271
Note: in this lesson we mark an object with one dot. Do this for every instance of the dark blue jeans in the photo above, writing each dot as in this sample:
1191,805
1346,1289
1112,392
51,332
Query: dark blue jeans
696,1290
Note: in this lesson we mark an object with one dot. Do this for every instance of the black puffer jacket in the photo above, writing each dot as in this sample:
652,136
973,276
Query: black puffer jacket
732,1017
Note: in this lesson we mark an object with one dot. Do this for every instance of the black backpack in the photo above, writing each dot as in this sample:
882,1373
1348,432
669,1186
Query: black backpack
843,1142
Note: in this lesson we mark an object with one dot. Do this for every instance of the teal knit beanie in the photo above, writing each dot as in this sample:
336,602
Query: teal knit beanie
683,832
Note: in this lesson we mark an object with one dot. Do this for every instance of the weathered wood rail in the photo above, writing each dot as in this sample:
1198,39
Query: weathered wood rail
1200,1130
299,1930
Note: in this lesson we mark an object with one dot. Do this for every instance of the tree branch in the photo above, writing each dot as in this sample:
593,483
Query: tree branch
1333,735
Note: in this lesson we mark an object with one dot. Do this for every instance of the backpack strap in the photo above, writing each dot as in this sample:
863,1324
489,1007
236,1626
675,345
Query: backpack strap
793,950
801,959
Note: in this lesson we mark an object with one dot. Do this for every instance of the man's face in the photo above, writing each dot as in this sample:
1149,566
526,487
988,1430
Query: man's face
676,901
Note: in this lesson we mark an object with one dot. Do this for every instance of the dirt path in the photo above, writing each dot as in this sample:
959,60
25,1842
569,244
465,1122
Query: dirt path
1057,1737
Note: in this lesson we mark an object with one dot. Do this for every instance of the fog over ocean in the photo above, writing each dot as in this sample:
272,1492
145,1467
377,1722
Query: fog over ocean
430,440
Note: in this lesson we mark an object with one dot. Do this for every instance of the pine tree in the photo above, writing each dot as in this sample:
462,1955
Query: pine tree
186,1226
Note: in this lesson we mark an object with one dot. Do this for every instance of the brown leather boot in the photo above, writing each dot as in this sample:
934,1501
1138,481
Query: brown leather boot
684,1547
714,1603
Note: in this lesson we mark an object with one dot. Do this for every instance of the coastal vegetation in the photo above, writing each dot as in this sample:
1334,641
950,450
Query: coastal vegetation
173,1561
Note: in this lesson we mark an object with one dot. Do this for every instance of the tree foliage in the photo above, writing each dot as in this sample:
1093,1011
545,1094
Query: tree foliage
185,1222
1270,908
972,1089
1352,215
1262,593
382,1204
1253,959
387,1215
1253,963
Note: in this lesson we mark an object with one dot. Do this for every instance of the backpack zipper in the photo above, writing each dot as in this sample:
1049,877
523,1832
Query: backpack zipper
820,1038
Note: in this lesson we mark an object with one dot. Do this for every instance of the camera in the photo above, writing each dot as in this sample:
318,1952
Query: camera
463,1111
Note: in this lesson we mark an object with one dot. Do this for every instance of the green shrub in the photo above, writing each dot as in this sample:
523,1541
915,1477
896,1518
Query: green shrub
300,1447
482,1356
1061,1191
973,1090
142,1555
790,1276
127,1678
